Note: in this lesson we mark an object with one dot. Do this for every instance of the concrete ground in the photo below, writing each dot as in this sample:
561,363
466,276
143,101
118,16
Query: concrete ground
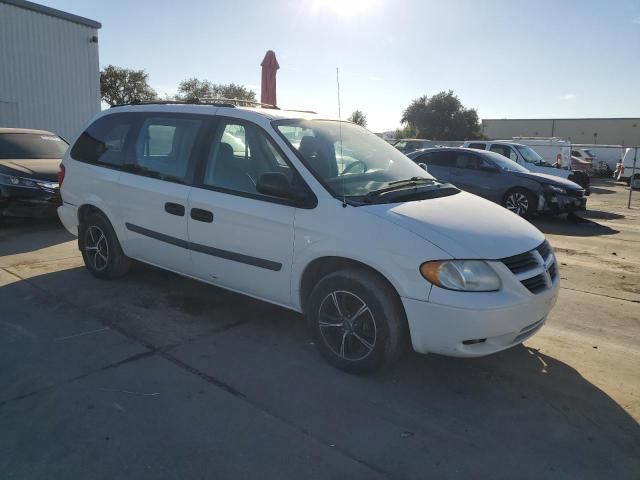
157,376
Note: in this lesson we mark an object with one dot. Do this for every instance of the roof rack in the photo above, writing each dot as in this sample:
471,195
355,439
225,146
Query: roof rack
215,102
175,102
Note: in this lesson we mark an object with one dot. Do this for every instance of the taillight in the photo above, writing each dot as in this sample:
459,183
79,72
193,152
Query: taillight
61,173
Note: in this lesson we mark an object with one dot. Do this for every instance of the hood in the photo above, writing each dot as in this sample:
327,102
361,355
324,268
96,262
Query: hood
552,179
39,169
463,225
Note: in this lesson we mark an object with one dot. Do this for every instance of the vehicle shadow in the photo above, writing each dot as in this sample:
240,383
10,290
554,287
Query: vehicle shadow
601,191
22,235
576,225
516,411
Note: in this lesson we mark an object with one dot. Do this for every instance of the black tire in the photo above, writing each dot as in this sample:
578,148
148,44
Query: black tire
520,201
101,249
365,342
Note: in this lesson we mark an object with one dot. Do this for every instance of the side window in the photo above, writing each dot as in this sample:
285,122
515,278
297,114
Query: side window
163,146
436,159
505,151
239,155
104,140
575,153
467,161
477,146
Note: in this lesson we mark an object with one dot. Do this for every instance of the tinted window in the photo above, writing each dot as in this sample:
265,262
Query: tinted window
104,140
466,161
575,153
504,150
435,159
24,146
164,145
240,154
479,146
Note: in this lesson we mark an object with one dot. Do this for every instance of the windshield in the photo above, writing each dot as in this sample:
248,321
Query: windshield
362,163
27,146
503,163
531,156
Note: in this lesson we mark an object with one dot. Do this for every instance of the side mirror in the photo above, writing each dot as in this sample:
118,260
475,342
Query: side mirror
424,167
277,184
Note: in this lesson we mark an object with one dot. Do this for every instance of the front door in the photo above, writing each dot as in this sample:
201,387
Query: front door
154,190
241,239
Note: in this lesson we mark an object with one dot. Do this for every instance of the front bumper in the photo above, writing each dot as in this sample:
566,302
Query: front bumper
479,328
557,203
28,202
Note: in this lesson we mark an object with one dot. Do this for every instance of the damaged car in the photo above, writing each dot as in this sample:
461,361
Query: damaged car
501,180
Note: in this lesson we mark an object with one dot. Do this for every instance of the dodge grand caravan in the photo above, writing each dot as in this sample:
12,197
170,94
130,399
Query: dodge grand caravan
318,216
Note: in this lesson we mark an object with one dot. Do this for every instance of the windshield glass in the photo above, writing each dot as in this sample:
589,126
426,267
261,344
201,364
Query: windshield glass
530,155
362,163
503,163
26,146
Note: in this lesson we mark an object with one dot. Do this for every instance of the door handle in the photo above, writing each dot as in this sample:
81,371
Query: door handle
174,209
202,215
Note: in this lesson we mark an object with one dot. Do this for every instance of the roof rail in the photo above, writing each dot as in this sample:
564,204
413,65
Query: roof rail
175,102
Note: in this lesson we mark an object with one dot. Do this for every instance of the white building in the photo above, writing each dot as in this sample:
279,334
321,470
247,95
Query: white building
49,70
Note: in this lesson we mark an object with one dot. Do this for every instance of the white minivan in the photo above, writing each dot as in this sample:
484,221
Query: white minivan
318,216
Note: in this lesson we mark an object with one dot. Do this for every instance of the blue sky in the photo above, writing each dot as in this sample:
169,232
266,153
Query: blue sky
508,59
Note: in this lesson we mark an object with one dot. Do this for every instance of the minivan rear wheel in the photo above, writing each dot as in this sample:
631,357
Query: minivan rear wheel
520,201
357,321
101,249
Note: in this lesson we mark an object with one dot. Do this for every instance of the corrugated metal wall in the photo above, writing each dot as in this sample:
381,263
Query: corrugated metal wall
608,131
49,72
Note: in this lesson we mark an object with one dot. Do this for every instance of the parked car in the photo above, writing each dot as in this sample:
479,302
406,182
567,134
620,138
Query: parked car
503,181
408,145
375,251
29,164
527,157
584,154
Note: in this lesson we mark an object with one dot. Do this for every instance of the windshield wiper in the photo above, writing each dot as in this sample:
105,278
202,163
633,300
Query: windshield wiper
398,185
410,180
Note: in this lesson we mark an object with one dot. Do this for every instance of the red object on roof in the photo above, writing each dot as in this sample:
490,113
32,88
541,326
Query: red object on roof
269,69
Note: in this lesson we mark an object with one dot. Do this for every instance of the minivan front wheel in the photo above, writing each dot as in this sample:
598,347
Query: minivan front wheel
357,321
519,201
101,249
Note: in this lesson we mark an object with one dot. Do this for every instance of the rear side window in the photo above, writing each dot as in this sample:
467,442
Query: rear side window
478,146
505,151
435,159
163,147
104,141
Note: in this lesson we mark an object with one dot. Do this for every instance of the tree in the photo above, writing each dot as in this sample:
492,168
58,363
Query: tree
441,117
123,85
193,89
359,118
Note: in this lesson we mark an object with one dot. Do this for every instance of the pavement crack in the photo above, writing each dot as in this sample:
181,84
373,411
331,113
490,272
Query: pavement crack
600,295
67,381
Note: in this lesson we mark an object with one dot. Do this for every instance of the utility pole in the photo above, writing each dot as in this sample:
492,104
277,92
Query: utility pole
633,172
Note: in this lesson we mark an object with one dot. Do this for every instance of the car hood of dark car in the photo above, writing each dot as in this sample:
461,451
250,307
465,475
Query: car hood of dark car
550,179
38,169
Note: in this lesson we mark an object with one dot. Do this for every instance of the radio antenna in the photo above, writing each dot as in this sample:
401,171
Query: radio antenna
344,199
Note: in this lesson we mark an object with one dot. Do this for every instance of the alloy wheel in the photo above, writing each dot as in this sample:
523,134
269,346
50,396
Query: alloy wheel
96,247
518,203
347,325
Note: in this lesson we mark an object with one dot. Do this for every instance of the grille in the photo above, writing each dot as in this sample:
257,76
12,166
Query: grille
528,261
536,284
544,249
520,263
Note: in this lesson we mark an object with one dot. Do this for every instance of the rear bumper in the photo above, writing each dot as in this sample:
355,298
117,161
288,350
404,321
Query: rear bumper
69,217
472,332
28,202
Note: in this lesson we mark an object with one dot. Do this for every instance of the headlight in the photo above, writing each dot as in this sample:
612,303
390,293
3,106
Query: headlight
463,275
555,189
17,181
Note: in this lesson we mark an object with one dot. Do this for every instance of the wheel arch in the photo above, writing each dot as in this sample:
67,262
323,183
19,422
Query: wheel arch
322,266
